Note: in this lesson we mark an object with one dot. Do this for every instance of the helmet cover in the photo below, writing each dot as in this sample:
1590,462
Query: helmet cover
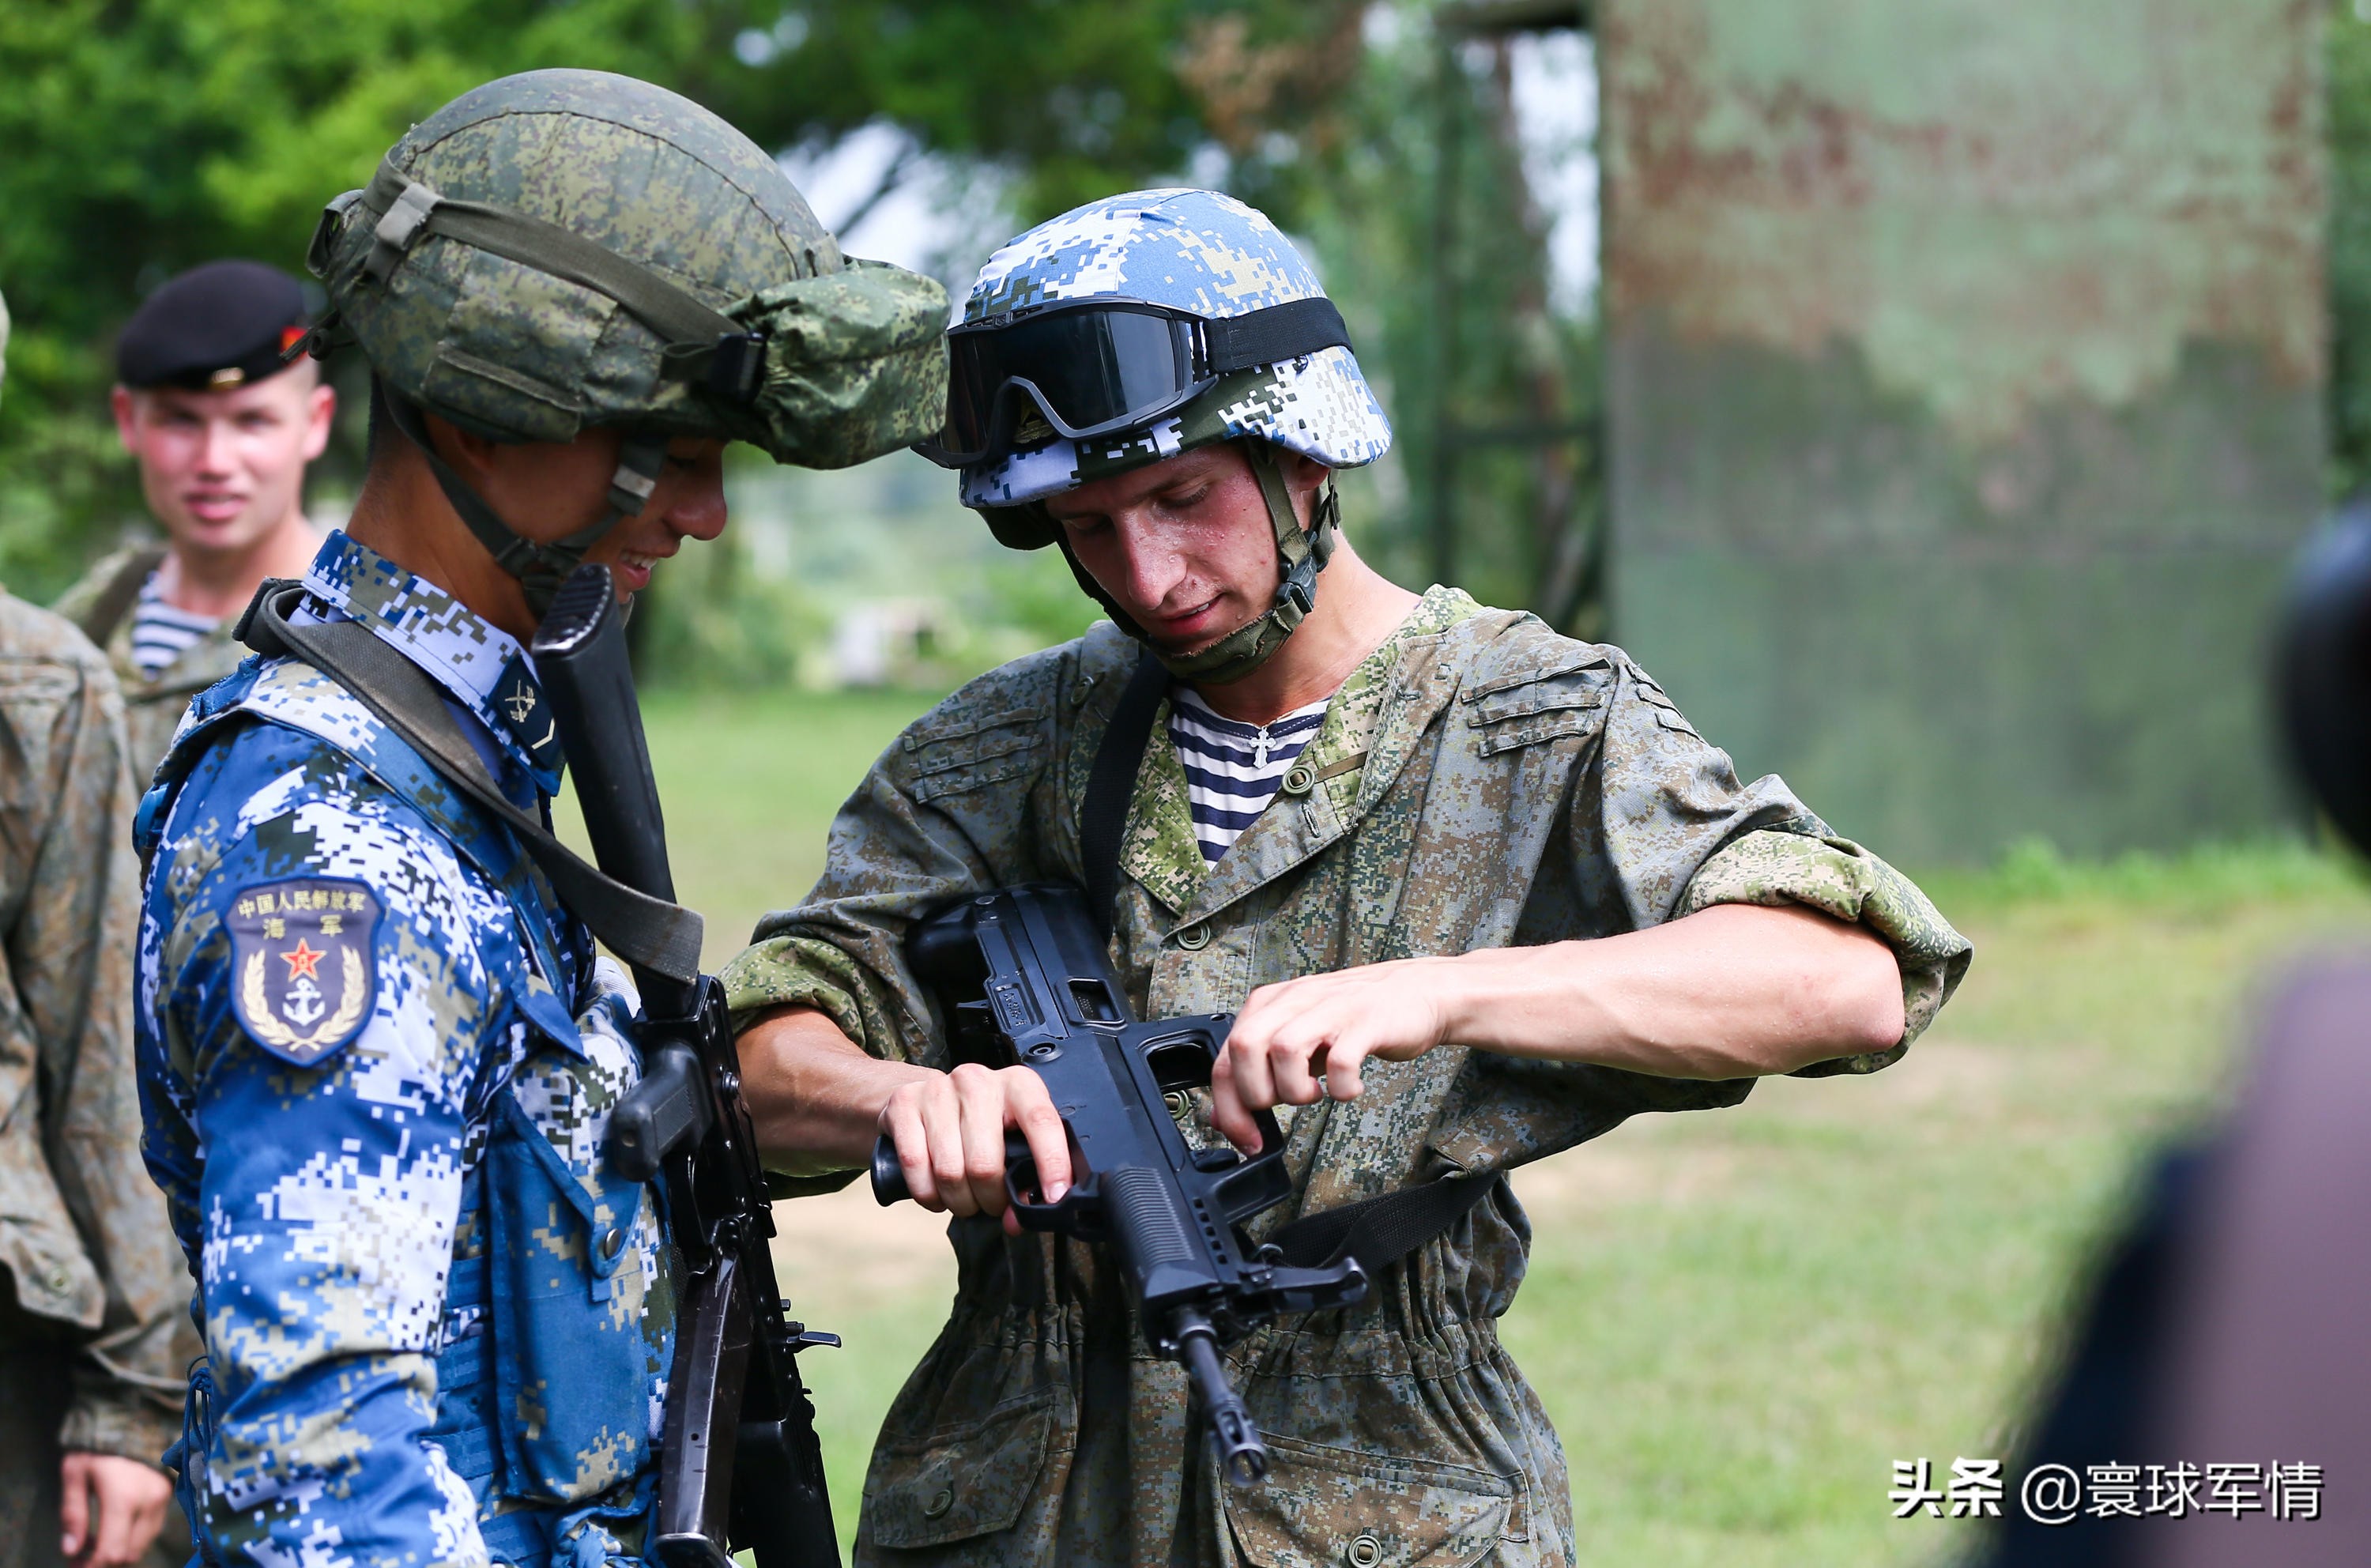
518,351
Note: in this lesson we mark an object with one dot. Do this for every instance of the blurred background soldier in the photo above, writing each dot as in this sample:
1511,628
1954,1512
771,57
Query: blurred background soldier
2221,1346
90,1372
222,429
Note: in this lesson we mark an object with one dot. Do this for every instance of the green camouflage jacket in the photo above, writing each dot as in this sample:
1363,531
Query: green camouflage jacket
153,705
1515,787
82,1227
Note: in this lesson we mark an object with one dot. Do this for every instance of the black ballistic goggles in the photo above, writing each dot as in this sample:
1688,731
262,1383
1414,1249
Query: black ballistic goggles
1090,367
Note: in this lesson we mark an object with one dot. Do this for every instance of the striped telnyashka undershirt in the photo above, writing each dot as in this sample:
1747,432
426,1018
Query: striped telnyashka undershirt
160,633
1233,768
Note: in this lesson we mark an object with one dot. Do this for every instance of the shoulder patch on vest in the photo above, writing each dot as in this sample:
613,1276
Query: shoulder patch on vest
302,971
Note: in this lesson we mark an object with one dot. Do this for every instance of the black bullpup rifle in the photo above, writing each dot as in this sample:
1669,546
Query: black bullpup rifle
739,1465
1022,979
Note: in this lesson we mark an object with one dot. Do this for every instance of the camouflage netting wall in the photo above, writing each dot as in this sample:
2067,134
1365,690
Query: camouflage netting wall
1965,388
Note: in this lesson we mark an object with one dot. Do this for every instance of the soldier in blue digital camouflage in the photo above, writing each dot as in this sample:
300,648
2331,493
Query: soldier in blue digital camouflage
1477,892
377,1057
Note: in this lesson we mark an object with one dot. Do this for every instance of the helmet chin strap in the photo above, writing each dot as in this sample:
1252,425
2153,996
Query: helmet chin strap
539,566
1301,556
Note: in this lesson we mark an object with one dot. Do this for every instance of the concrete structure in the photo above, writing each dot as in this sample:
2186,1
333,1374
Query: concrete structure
1966,363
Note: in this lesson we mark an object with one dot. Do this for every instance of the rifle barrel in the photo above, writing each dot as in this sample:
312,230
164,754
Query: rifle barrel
1243,1457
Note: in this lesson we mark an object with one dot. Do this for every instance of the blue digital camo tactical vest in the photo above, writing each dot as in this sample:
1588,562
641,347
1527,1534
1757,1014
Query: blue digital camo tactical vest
434,1317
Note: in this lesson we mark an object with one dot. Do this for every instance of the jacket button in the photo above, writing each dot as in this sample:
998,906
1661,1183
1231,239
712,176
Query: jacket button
57,1280
611,1242
1300,779
1366,1551
940,1501
1195,937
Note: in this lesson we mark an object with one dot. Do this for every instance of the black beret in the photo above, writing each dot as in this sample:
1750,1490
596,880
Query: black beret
214,327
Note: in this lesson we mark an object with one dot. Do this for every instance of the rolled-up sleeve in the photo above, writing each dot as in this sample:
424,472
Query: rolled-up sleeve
1665,820
1840,879
893,860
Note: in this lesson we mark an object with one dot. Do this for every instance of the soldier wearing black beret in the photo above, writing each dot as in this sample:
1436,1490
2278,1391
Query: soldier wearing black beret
222,427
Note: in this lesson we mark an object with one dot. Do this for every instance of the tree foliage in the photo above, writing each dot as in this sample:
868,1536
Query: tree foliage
145,136
1418,205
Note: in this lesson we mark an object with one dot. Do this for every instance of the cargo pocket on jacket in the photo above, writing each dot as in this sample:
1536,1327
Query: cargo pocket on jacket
573,1387
960,1481
1324,1508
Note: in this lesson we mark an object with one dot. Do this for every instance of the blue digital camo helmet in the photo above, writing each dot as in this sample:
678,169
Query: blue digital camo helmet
1139,327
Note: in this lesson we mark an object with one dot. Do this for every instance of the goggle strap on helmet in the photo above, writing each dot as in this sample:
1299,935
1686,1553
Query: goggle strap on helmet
1294,329
705,347
539,567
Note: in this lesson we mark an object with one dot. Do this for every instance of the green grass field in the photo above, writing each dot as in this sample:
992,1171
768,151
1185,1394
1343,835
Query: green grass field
1739,1319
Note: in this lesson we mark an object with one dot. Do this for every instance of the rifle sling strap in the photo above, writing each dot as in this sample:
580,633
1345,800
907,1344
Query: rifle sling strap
1111,784
1376,1231
641,929
1382,1230
122,591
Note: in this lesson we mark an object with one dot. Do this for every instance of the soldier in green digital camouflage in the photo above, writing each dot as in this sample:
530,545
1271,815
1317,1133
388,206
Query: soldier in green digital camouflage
93,1332
378,1055
1478,892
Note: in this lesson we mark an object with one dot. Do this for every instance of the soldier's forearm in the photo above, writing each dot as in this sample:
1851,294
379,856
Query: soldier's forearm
1733,991
814,1093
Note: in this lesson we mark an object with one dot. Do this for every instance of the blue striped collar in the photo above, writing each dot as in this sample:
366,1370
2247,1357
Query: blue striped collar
1200,713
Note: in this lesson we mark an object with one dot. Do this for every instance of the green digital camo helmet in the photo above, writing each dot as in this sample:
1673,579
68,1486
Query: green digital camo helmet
562,250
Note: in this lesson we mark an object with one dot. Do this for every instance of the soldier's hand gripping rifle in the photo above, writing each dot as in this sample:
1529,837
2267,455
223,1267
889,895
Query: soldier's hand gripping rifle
739,1465
1023,980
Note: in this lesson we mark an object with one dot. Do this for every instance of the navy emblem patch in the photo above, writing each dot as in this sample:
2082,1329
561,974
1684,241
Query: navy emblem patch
301,963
